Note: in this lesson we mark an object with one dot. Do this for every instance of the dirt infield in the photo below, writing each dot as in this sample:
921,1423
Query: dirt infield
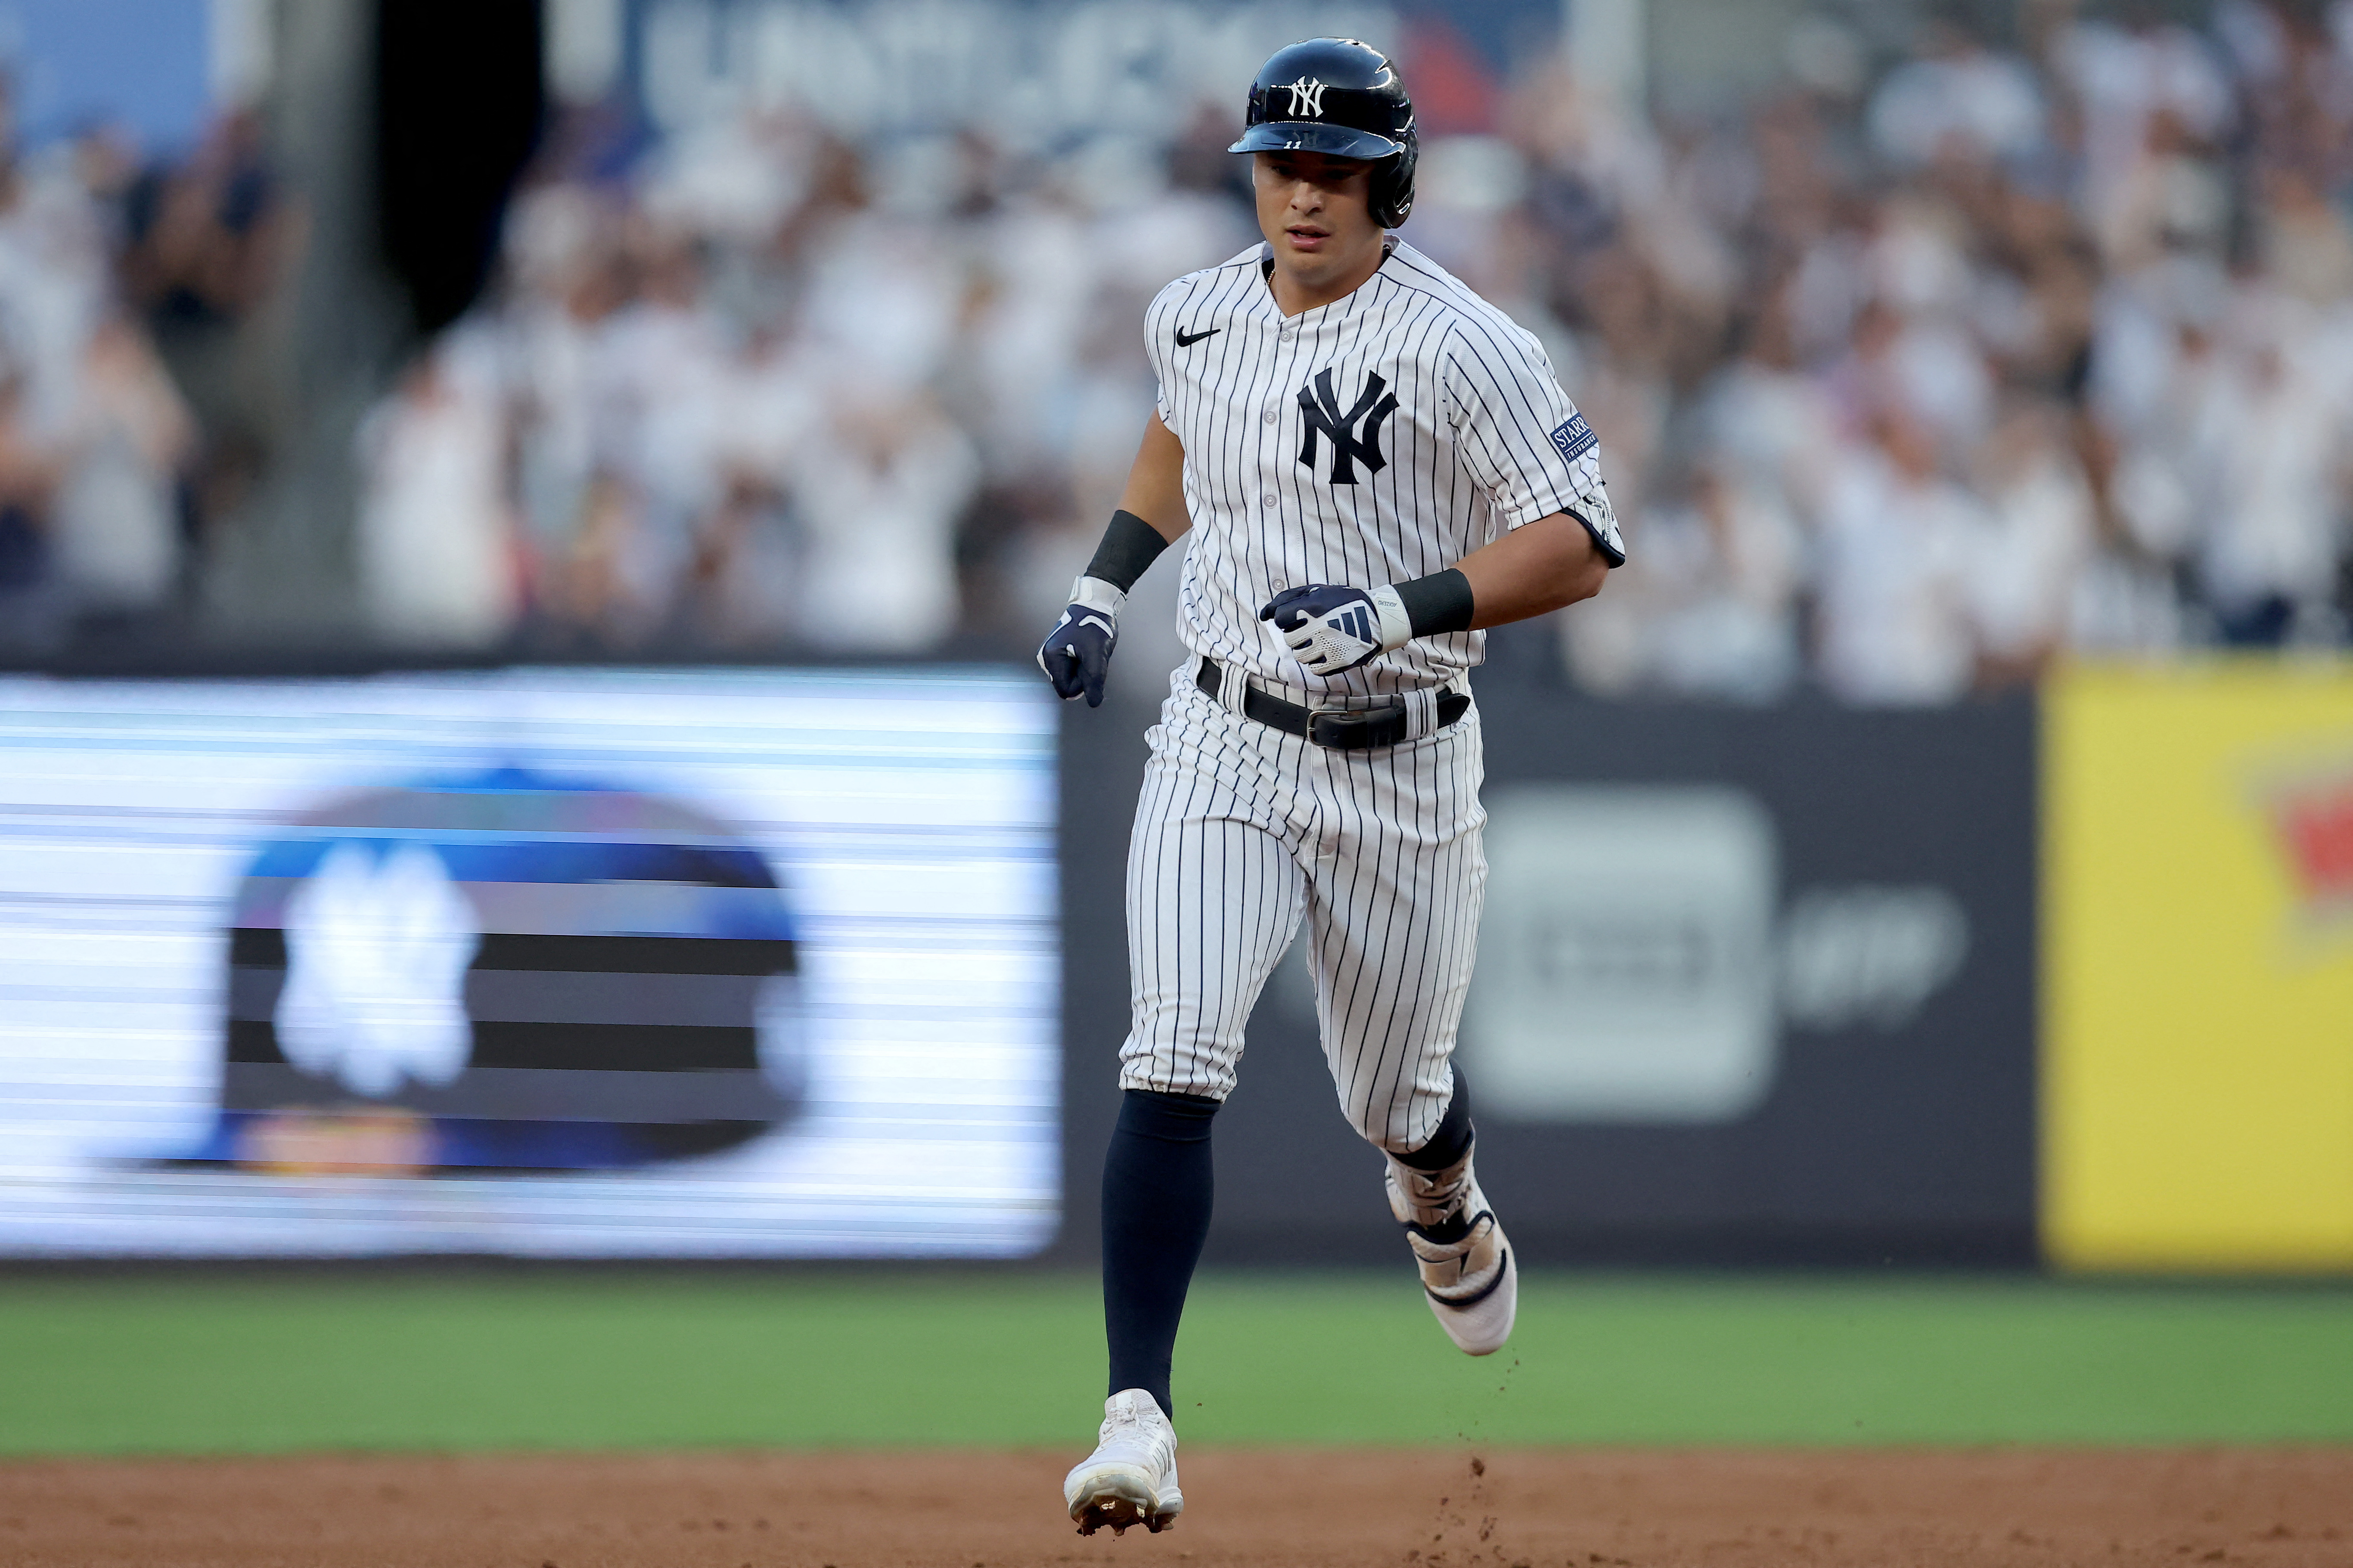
1412,1509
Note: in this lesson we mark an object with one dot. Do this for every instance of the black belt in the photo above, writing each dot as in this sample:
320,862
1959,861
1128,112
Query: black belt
1340,728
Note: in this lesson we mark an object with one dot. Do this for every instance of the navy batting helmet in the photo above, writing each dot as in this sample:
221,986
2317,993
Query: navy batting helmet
1340,97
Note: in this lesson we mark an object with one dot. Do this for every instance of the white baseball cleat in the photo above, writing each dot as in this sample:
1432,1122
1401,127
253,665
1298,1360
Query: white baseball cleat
1467,1269
1130,1478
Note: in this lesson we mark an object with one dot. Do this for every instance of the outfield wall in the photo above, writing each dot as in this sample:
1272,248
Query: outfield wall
2064,977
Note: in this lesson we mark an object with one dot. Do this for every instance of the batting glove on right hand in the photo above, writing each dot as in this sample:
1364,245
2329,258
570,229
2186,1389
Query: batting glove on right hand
1331,630
1076,655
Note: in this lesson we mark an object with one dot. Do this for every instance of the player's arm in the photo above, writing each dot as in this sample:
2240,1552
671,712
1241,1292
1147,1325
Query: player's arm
1076,655
1534,570
1155,486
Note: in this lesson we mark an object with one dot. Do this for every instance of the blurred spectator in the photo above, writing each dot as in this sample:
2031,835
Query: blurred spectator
2271,451
206,242
1958,100
2040,530
1899,541
881,488
116,517
436,537
1710,610
125,419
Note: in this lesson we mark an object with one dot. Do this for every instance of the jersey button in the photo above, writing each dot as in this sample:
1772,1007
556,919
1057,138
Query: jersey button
1288,330
1267,499
1272,416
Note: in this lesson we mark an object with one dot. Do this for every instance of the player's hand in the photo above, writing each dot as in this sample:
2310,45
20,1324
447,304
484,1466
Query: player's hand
1076,655
1331,629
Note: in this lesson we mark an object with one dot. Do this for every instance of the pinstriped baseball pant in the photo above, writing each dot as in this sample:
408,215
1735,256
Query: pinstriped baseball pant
1242,831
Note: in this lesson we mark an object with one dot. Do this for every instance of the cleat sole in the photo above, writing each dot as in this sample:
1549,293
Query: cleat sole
1104,1506
1101,1505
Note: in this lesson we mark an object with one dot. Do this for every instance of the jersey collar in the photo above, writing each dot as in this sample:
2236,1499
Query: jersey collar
1389,243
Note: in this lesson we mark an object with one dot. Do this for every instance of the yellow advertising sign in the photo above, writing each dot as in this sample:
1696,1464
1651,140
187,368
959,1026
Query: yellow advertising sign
2198,967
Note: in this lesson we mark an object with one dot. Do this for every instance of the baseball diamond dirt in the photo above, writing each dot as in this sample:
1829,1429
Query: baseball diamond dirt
1426,1509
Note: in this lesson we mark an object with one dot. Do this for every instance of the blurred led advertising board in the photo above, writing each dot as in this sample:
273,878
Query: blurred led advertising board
1035,72
563,963
2198,1033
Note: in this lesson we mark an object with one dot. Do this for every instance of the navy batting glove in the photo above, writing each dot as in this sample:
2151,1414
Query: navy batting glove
1331,629
1076,655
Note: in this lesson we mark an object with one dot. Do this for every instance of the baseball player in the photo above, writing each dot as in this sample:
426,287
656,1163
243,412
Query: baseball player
1373,463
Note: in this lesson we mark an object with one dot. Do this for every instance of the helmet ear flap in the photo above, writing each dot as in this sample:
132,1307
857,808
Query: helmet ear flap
1392,190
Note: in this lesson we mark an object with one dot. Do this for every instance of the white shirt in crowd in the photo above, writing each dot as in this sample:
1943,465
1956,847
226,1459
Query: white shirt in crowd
1895,546
2274,445
435,536
115,520
878,493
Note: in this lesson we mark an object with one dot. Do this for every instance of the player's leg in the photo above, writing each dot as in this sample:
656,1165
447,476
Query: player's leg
1396,877
1212,902
1397,880
1213,897
1157,1192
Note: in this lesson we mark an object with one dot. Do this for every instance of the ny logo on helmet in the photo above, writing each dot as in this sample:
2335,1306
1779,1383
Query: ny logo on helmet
1306,99
1322,407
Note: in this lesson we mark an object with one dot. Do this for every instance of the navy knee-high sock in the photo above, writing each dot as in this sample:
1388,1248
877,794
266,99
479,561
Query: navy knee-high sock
1156,1194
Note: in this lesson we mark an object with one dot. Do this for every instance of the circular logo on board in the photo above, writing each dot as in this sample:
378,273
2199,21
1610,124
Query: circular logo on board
506,971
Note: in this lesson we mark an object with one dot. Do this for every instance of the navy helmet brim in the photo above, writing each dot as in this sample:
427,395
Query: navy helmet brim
1313,136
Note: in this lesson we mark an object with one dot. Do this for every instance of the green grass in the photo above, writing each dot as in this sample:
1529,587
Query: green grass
166,1363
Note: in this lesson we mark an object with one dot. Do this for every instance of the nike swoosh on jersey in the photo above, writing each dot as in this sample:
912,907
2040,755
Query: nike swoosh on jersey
1186,340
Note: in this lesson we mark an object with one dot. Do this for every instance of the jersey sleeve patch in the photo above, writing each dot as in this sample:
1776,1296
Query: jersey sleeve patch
1574,438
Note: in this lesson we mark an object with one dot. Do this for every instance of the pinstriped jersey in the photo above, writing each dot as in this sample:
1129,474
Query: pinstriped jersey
1375,439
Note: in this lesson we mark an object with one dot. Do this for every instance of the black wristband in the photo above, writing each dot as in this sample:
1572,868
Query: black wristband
1129,545
1438,603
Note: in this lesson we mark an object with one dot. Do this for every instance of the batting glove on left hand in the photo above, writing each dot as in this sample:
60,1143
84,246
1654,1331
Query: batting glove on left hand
1333,630
1076,655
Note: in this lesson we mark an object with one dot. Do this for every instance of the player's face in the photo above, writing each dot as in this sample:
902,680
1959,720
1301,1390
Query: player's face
1316,211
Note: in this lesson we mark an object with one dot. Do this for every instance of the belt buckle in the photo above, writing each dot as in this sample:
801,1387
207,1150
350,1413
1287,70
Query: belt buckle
1317,734
1361,719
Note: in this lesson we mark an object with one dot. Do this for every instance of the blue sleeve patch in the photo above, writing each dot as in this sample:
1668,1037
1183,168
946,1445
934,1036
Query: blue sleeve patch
1574,438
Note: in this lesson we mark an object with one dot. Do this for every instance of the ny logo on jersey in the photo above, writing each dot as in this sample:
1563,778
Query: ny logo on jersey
1306,99
1322,407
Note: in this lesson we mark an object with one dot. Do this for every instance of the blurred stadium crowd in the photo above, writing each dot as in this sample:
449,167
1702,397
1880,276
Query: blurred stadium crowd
124,416
772,391
1908,375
